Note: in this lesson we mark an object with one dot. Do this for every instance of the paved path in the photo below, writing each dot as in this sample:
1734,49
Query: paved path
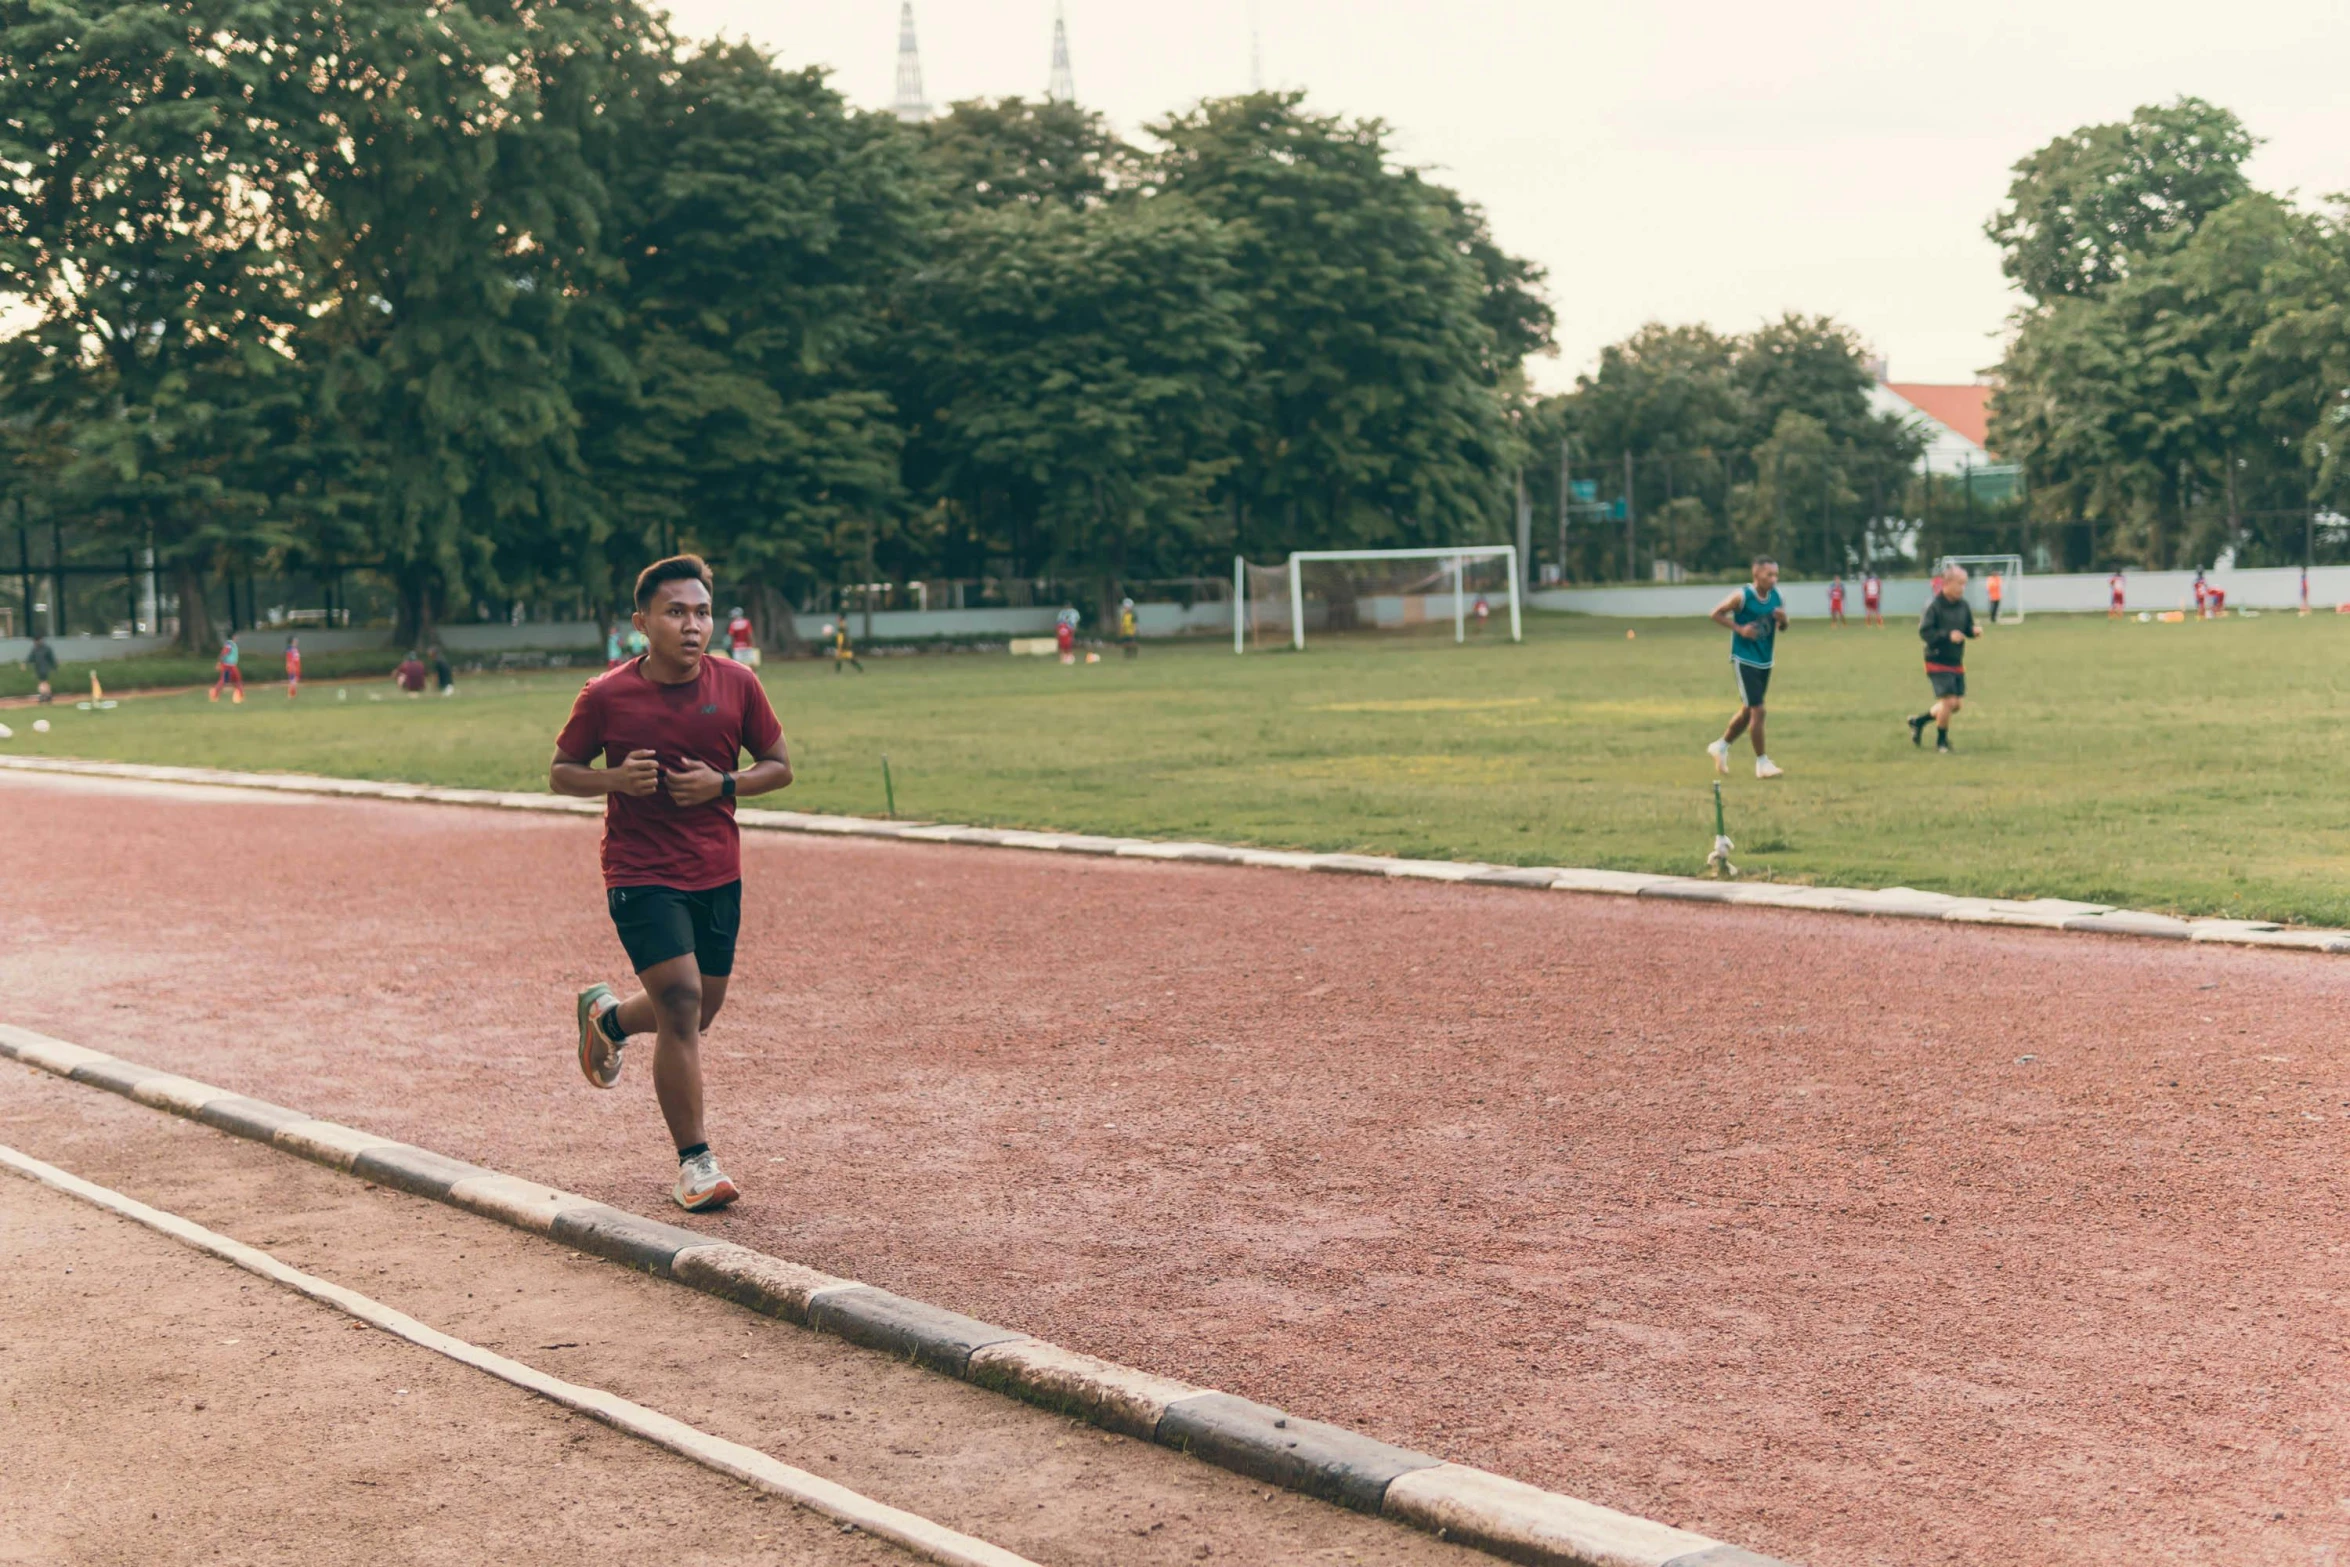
1851,1242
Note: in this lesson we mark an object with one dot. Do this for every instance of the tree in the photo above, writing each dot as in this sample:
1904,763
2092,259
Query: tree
1071,381
2182,407
761,226
1372,413
1768,437
147,225
465,256
2085,204
1020,152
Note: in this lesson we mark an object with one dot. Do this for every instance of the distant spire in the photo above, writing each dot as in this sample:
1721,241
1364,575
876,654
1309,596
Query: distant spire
1062,88
911,106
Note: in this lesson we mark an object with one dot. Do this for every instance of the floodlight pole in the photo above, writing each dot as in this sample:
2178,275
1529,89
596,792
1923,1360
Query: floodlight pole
1297,605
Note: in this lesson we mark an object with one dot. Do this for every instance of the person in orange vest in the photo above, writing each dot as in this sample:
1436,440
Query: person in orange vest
1993,588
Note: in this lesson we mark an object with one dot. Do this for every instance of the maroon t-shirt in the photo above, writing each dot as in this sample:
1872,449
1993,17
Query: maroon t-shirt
650,840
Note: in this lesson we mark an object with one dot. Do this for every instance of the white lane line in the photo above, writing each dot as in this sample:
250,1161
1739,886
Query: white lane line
936,1542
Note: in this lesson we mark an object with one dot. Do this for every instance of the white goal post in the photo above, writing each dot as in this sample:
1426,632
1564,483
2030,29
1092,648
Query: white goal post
1409,579
1980,569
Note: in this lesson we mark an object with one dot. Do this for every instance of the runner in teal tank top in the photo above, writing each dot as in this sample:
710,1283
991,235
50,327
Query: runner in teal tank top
1754,616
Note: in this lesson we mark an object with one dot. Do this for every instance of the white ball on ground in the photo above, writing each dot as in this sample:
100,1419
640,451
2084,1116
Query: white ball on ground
40,726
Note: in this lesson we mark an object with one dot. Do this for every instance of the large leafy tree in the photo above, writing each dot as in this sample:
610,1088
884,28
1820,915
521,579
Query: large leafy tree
1373,413
148,227
465,255
2177,410
1072,381
1009,152
1764,441
762,226
2085,204
2177,382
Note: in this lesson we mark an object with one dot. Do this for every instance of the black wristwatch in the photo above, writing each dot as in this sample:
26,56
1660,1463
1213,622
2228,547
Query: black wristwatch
727,788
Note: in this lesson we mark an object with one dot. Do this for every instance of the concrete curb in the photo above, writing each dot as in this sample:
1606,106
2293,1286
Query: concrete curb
1491,1512
1893,902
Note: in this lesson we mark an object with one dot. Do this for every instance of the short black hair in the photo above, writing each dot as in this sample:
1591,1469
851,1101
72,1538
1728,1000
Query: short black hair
1760,561
677,568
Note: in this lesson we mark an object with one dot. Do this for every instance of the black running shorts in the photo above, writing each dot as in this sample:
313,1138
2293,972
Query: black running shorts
1948,682
1754,680
660,923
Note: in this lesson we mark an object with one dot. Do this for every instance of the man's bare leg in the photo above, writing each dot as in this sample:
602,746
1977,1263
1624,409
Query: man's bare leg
677,1003
1738,724
1754,727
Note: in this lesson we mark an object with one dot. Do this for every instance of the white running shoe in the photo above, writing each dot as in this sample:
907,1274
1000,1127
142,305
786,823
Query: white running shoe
1764,767
1720,752
702,1186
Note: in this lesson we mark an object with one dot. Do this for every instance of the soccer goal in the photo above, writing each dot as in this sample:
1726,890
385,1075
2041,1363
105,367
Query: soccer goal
1373,590
1980,569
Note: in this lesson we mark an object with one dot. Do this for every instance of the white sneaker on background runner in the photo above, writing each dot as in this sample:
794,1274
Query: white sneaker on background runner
702,1186
1720,752
1764,767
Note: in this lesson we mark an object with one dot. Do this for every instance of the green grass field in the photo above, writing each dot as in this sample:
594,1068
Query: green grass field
2198,768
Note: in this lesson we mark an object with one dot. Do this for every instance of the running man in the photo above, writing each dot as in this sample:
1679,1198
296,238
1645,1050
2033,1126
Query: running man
672,727
2115,587
1836,600
1944,628
1755,616
843,650
1993,588
226,671
739,639
1128,631
2202,596
612,653
1872,598
1065,635
293,667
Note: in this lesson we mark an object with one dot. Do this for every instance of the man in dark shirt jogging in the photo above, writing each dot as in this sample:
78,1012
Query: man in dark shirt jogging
672,725
1945,627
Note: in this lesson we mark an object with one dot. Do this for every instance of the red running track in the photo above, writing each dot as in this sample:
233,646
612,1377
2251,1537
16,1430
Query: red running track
1851,1242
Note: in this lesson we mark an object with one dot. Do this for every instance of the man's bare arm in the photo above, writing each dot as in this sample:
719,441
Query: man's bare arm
640,774
1728,608
698,783
769,770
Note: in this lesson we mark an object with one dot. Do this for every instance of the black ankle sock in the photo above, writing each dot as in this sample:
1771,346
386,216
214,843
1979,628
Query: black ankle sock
695,1152
609,1021
1942,734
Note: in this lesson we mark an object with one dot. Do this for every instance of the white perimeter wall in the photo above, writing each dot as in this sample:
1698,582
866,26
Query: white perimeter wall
2267,587
265,645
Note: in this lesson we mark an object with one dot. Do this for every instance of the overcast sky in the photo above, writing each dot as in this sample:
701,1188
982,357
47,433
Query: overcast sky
1709,161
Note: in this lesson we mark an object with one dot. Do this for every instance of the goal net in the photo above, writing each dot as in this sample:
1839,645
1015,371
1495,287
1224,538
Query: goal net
1473,588
1980,570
